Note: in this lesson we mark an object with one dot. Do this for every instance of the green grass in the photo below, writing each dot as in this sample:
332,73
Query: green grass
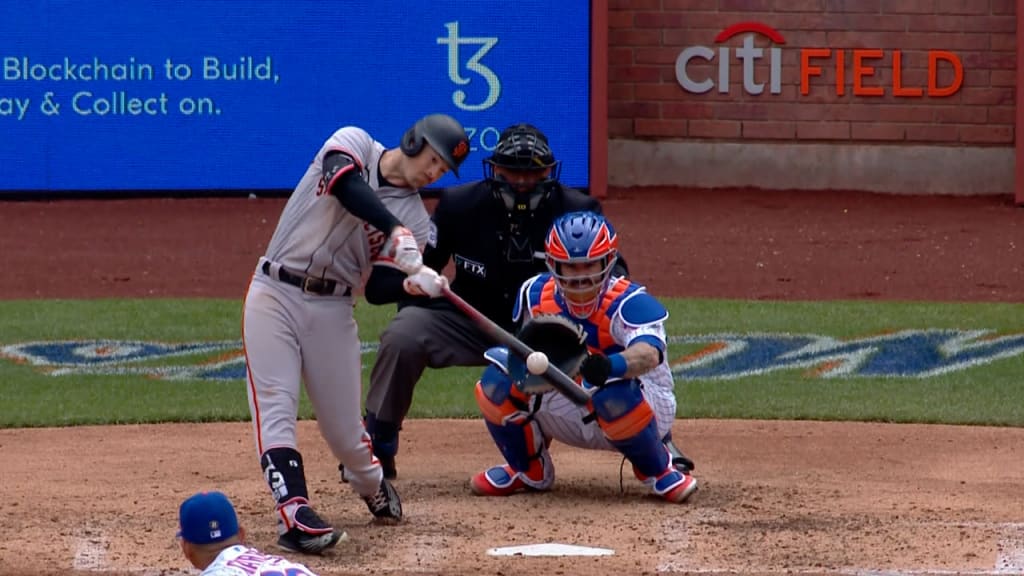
989,394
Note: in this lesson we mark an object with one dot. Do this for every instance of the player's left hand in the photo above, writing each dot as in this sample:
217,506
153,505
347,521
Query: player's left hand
425,282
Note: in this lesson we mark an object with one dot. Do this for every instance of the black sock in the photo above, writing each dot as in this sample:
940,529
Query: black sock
384,435
282,469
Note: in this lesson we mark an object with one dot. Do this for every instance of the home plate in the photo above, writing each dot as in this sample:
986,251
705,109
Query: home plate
550,549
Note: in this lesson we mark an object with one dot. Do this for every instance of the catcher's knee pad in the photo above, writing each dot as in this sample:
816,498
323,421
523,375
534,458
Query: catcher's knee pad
499,401
628,422
507,414
621,409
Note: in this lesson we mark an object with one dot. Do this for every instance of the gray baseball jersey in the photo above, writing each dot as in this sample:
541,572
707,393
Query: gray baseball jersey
293,337
317,236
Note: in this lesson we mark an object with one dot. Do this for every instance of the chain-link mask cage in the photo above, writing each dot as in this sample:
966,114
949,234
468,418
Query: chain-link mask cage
521,148
518,231
580,252
562,340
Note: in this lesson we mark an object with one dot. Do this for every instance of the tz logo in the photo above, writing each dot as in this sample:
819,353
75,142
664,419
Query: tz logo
453,41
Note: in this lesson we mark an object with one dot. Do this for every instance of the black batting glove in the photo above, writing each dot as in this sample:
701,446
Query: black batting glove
595,369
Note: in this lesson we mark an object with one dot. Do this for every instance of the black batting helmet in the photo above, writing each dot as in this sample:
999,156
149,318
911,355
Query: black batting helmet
522,147
444,134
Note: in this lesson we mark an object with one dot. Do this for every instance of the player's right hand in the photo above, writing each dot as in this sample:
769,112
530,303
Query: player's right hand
404,250
425,282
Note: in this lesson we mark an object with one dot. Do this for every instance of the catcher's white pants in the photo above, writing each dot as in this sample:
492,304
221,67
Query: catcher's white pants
291,337
562,420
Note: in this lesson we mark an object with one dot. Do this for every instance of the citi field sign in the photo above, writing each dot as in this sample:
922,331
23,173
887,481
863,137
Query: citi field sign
861,64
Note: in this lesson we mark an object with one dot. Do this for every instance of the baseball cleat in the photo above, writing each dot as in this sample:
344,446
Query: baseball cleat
385,505
675,486
681,462
497,481
296,540
310,534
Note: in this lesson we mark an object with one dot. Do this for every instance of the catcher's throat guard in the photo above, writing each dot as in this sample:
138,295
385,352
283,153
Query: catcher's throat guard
562,340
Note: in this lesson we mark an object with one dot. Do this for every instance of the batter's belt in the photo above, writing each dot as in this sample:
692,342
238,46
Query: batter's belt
308,284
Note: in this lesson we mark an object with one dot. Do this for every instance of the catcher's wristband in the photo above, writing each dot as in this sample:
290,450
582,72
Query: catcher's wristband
618,366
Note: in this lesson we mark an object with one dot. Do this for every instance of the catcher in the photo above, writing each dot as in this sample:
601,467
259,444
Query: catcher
609,331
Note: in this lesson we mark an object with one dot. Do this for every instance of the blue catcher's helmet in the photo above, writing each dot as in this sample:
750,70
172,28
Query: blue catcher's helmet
581,249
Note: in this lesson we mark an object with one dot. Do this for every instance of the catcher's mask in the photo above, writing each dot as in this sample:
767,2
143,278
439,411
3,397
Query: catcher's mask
581,249
522,167
522,147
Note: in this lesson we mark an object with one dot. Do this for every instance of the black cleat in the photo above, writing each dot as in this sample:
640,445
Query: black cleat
385,505
310,535
679,460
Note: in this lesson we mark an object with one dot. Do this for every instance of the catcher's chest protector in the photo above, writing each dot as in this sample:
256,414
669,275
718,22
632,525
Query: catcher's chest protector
601,319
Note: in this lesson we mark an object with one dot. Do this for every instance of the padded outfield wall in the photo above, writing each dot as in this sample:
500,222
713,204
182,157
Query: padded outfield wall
902,96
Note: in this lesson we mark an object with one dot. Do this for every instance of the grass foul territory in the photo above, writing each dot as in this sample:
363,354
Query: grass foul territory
133,361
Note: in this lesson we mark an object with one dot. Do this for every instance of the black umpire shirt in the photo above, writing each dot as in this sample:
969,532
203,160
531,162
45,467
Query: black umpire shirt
494,247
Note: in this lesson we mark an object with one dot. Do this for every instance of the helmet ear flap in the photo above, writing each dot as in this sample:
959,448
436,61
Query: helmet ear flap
444,134
412,140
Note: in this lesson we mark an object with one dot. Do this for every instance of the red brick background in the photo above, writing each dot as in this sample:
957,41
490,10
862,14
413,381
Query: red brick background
646,102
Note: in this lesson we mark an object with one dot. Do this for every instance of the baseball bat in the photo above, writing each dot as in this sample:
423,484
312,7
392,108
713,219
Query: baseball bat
567,386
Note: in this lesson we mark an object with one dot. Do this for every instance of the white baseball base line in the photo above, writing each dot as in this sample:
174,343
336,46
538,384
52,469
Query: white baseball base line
550,549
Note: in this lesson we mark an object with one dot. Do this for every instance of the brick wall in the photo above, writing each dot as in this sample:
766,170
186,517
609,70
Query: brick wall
646,101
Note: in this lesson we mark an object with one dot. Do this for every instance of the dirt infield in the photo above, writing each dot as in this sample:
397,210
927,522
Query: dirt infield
776,498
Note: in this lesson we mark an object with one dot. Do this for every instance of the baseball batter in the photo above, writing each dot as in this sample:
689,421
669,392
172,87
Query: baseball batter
356,208
633,401
213,541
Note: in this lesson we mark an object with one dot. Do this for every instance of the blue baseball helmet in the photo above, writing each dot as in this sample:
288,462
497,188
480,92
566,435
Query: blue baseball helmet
580,249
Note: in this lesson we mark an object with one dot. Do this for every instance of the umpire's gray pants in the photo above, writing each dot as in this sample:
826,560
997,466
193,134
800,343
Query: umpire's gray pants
415,339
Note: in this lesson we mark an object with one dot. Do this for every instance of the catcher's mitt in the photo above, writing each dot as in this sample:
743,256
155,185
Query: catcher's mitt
562,340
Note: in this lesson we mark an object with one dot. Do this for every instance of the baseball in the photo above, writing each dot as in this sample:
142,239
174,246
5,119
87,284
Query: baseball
537,363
